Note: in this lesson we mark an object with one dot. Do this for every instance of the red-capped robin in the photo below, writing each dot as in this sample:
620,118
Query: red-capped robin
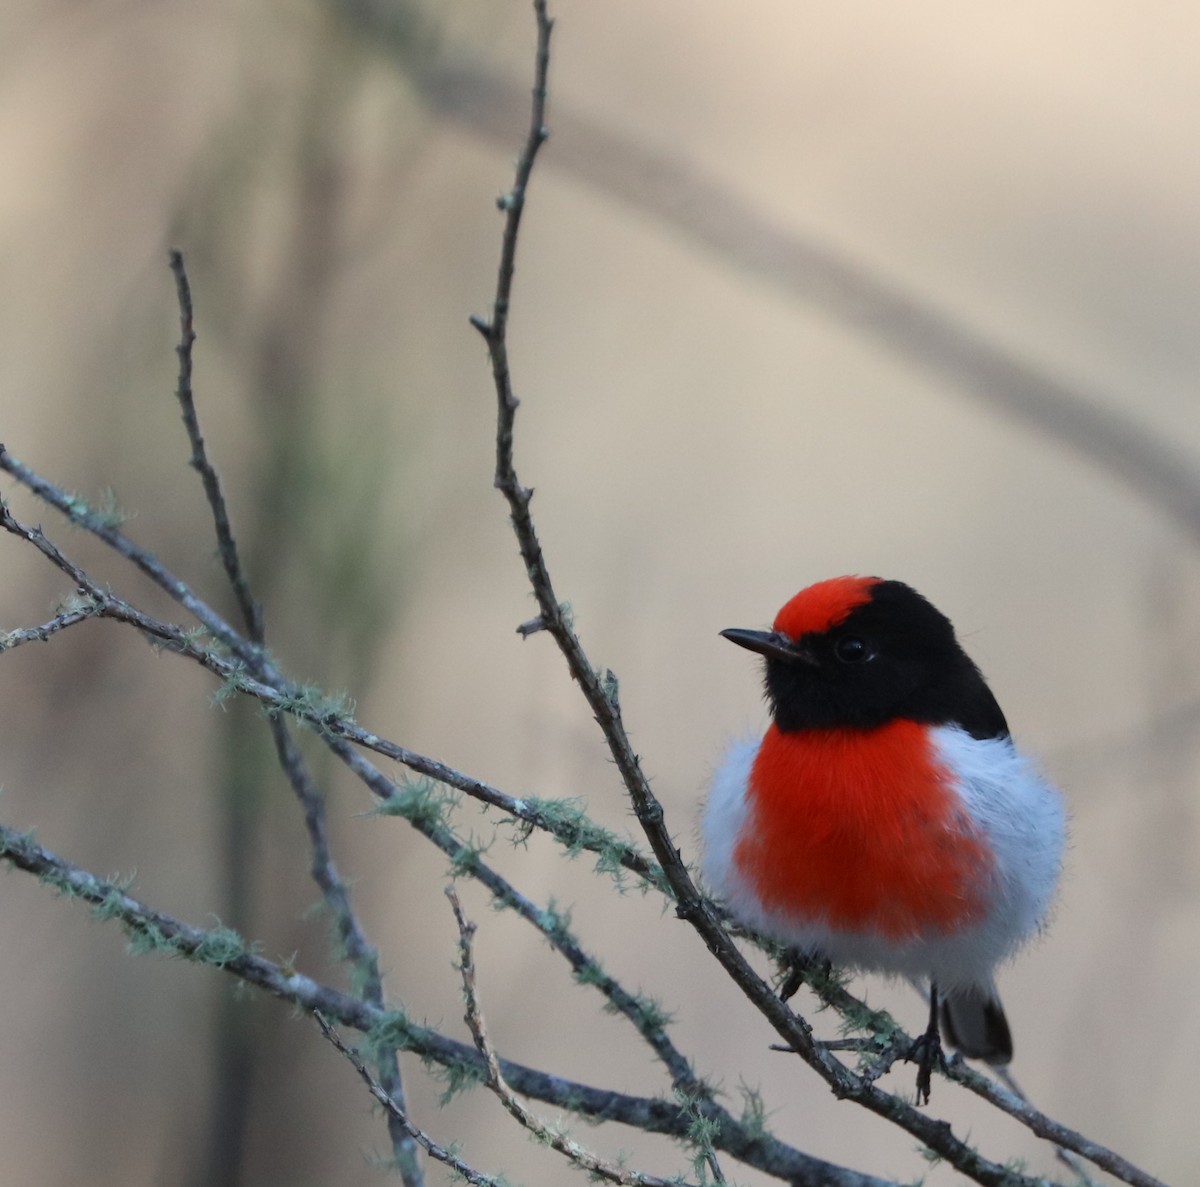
886,822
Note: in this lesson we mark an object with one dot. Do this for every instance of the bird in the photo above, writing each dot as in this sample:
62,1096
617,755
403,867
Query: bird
886,822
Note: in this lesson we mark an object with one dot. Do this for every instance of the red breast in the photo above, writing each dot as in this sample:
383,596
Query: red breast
862,830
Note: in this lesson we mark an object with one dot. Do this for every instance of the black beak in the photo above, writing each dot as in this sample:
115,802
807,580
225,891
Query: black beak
772,644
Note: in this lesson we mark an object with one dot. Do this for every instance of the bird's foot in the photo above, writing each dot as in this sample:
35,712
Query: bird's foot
926,1052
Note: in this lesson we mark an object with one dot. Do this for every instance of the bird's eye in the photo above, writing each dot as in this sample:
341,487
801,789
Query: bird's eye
850,649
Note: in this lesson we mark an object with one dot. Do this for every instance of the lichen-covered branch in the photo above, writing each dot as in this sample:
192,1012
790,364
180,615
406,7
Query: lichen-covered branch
245,667
152,931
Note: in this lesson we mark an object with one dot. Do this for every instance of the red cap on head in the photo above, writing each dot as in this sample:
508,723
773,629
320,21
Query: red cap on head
824,605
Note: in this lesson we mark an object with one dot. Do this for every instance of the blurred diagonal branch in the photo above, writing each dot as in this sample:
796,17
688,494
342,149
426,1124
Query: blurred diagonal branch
699,205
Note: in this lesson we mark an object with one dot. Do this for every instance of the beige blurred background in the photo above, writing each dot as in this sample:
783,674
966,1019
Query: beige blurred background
705,435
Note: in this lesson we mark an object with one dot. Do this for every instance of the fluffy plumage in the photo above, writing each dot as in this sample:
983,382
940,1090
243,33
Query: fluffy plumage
885,821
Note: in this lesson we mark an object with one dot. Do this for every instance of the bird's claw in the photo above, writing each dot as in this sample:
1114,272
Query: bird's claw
926,1052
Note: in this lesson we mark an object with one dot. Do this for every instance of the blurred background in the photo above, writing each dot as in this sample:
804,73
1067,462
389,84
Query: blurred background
803,290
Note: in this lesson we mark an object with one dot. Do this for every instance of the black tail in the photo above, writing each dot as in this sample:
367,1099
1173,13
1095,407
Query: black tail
973,1022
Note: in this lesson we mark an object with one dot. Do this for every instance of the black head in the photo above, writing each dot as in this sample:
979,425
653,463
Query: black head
857,652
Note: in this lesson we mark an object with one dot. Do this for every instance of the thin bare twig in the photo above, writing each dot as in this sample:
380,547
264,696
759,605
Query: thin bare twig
42,634
80,514
601,693
1067,1157
1013,1102
250,609
355,945
583,1158
467,1173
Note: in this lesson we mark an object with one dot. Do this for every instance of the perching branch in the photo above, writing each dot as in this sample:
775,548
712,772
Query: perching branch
339,731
